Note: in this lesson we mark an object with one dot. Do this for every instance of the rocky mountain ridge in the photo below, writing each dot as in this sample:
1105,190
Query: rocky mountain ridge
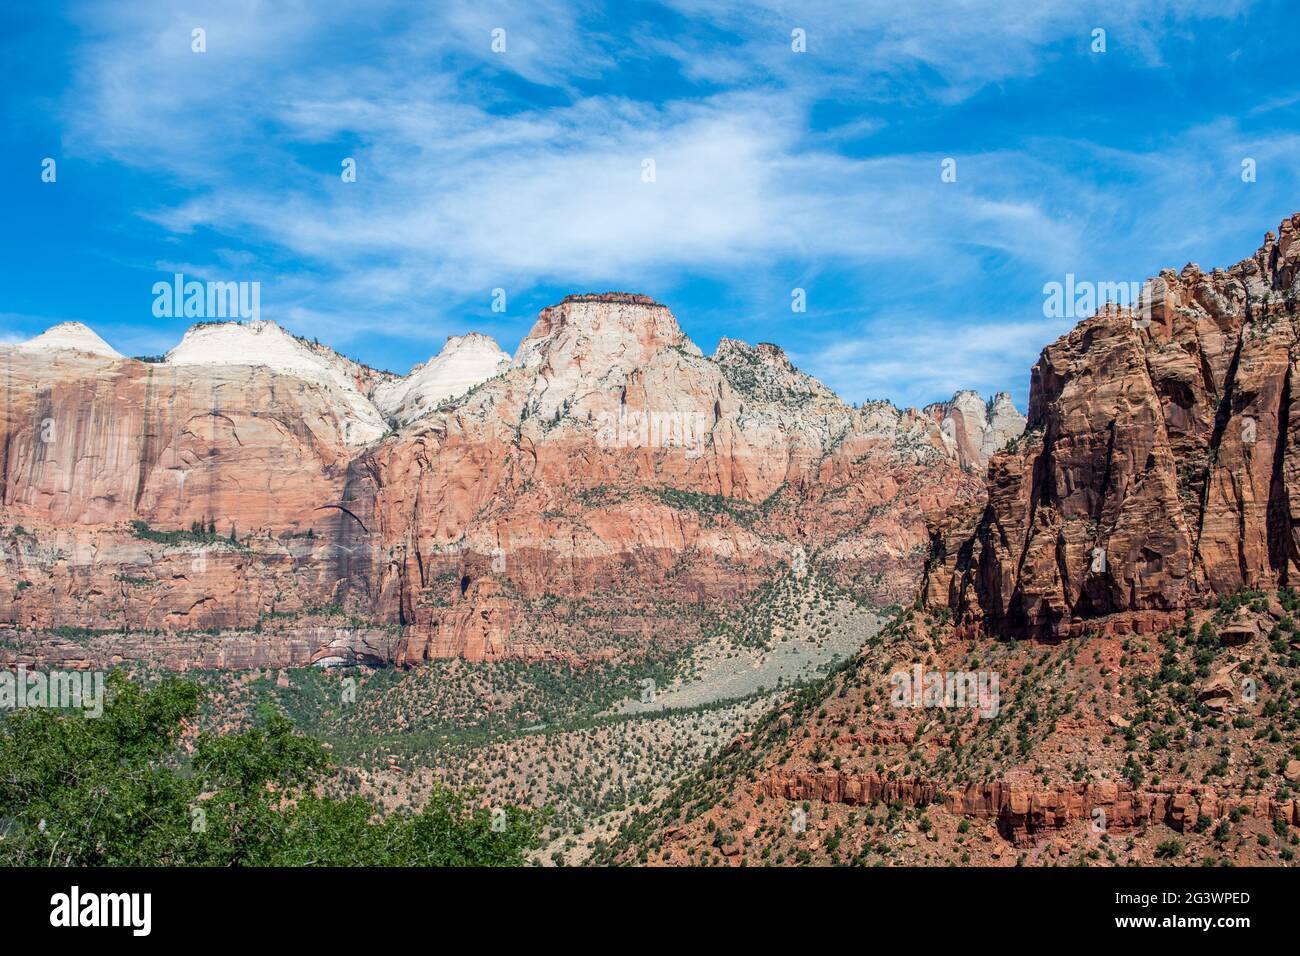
465,362
1161,464
976,429
250,482
1124,589
68,336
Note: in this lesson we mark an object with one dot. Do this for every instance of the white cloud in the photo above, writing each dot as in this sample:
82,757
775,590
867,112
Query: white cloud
951,47
920,360
465,183
454,193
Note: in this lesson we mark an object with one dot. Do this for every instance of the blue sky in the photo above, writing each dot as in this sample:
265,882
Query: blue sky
522,170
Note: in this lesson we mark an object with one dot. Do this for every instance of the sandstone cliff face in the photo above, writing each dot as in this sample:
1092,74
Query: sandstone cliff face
1023,813
610,467
263,344
1156,475
1160,466
89,444
614,463
465,362
90,441
976,430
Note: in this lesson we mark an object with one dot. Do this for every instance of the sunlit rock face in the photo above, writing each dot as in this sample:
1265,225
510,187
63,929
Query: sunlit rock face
975,430
1160,467
464,363
601,493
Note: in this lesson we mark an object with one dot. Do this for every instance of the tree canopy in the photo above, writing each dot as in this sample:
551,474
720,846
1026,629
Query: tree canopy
121,790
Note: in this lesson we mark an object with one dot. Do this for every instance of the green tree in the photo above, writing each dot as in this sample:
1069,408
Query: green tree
119,790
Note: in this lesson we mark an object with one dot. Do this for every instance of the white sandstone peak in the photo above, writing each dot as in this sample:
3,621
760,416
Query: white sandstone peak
597,343
69,336
600,330
1002,403
974,429
464,362
262,343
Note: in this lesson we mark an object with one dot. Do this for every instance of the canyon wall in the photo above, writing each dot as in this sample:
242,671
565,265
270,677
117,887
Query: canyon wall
608,489
1160,466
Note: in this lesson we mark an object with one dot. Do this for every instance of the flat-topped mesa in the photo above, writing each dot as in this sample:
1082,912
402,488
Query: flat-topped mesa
69,337
596,344
1161,465
616,327
616,298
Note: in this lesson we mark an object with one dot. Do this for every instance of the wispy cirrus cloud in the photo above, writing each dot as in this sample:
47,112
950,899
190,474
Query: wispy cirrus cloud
524,169
915,358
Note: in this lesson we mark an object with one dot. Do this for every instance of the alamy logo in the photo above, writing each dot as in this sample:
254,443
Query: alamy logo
206,300
976,690
653,429
1080,298
58,689
103,909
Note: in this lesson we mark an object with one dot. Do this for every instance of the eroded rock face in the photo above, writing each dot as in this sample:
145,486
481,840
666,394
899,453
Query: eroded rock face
607,489
263,344
614,463
90,445
465,362
91,441
1156,474
977,430
1024,814
1160,465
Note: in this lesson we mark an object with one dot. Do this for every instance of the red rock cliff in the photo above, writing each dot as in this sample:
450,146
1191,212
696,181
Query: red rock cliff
1160,466
563,506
